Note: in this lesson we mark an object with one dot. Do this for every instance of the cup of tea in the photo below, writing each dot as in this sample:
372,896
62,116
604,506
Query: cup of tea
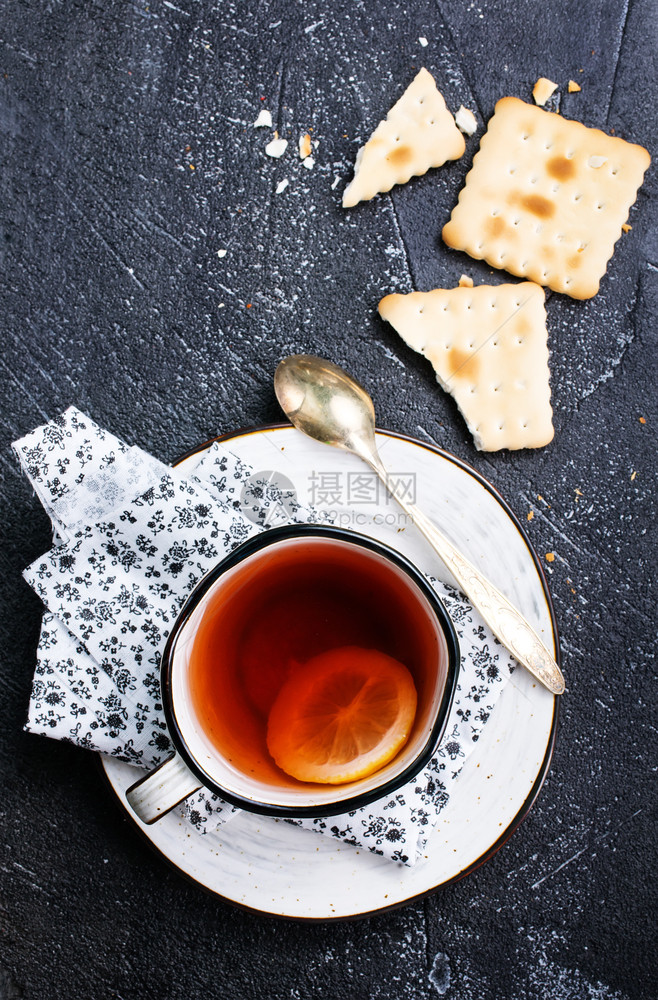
309,673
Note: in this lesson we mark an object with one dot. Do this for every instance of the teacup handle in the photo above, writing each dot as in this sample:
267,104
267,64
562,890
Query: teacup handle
158,792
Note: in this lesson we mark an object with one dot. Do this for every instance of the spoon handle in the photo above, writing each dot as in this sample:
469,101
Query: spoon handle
505,621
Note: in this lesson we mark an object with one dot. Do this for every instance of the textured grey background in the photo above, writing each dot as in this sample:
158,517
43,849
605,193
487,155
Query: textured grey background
113,298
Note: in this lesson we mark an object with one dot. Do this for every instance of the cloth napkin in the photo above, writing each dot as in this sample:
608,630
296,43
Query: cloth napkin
132,537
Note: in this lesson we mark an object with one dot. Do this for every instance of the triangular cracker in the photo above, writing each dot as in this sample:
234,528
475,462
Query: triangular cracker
419,132
488,346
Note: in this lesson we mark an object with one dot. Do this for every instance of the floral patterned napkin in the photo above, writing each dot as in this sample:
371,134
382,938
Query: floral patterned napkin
133,537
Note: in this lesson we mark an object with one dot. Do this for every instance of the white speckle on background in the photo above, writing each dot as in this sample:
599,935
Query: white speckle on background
264,119
547,979
282,185
389,354
439,975
336,182
276,147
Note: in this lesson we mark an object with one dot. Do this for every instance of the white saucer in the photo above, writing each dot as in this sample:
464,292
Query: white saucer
272,867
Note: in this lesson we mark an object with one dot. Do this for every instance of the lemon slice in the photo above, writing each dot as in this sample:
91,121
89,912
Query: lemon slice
341,716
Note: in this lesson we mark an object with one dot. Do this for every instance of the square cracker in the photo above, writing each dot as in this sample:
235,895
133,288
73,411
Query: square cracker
546,198
418,133
488,346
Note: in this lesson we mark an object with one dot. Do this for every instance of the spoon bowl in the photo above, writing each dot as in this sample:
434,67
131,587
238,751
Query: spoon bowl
326,403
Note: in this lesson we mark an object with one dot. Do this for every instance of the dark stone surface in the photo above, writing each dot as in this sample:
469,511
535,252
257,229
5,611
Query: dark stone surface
113,298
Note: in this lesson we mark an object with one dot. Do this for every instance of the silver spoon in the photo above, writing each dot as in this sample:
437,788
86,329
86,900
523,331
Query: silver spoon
323,401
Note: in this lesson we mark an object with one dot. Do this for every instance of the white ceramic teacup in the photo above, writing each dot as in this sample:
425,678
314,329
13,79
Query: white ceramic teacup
238,767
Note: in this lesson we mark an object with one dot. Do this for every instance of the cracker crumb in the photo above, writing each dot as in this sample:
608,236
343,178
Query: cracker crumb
625,226
276,147
309,162
578,492
423,41
465,281
574,87
531,514
335,183
264,120
304,146
633,475
222,253
282,185
550,557
542,90
642,420
465,120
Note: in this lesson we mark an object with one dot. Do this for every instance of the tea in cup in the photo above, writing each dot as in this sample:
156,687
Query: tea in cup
310,673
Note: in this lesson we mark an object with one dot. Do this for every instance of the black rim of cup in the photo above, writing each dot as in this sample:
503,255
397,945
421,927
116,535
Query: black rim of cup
240,553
